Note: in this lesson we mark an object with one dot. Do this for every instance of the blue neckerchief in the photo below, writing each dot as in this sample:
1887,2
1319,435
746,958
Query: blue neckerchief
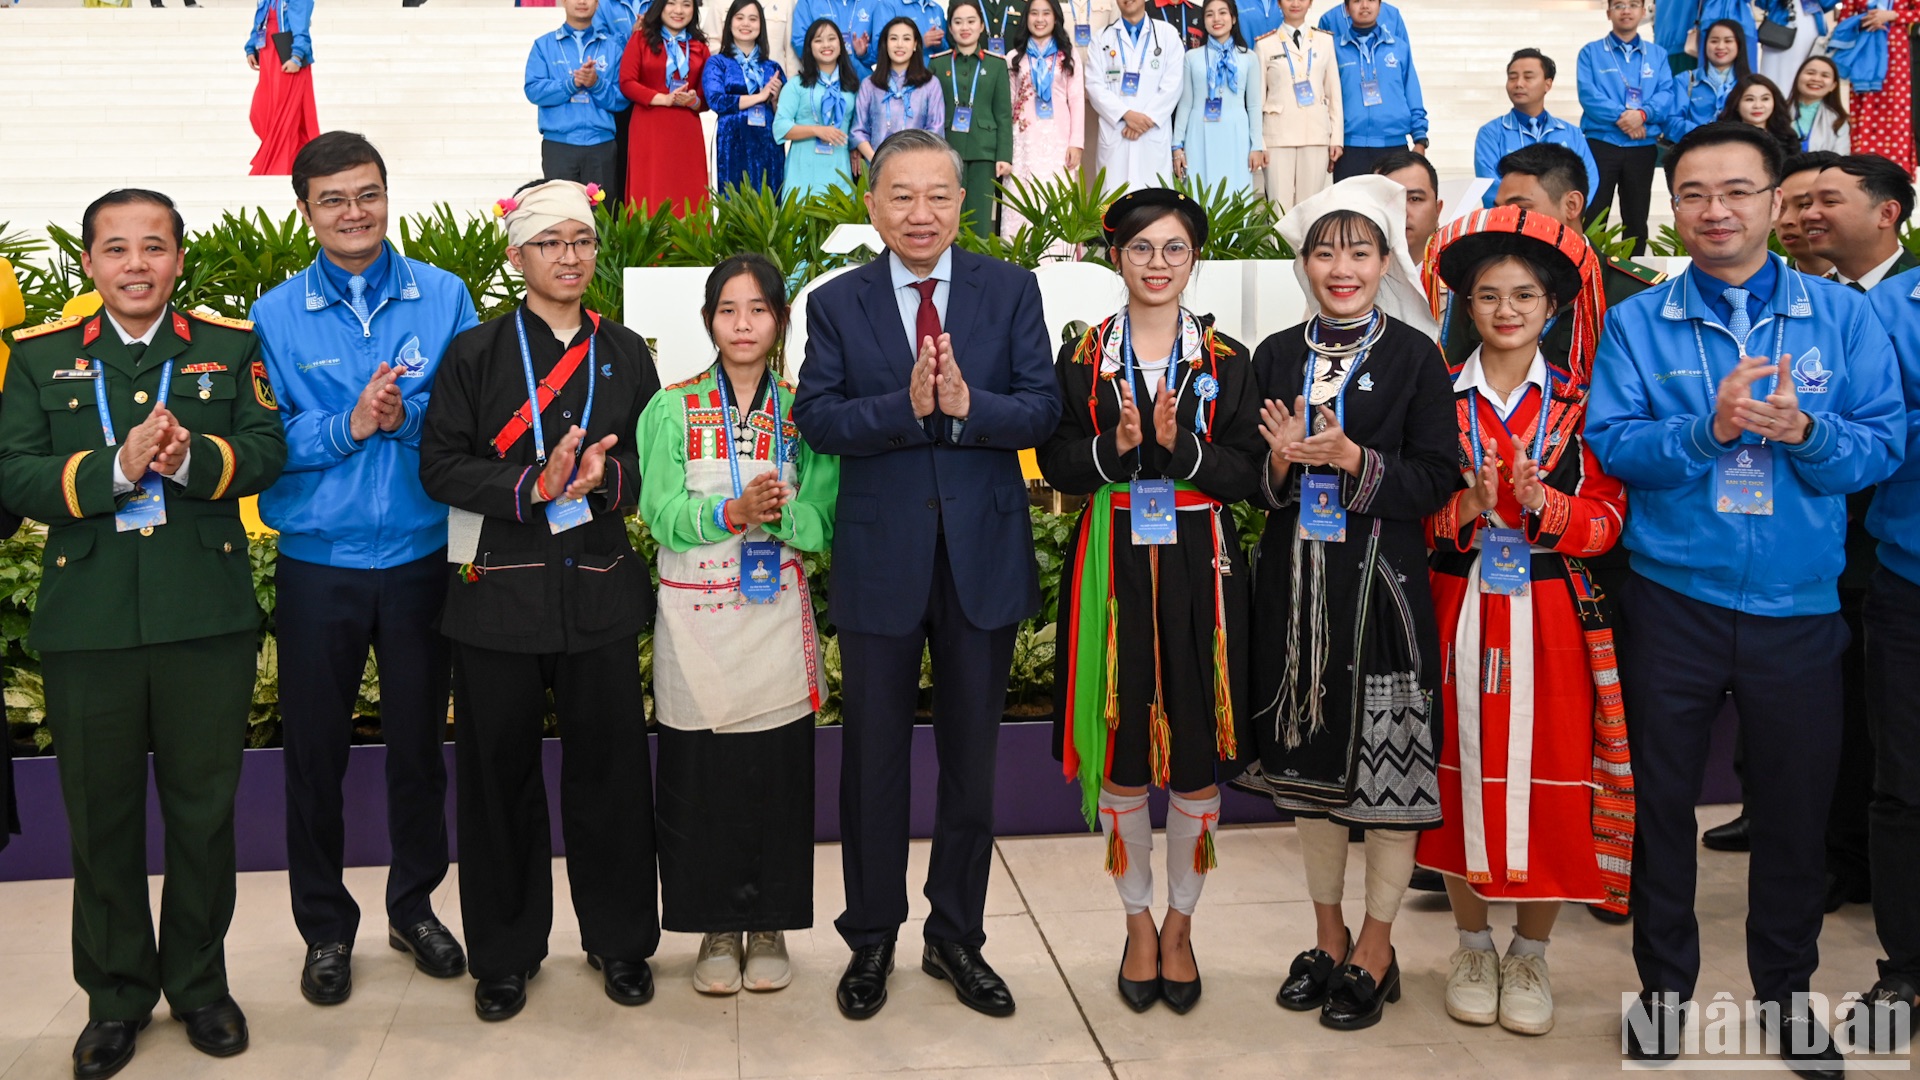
678,60
897,89
1759,292
750,68
1225,70
828,106
1040,62
1721,84
376,275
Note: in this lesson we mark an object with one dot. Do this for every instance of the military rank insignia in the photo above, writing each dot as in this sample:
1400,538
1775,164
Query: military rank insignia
262,388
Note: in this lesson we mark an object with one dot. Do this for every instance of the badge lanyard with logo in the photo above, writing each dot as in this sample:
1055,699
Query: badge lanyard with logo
1041,71
580,96
827,90
1153,511
1636,95
1506,556
756,81
1082,28
1130,80
759,559
998,42
147,506
1302,88
1322,515
562,513
1369,72
1215,100
1743,476
963,114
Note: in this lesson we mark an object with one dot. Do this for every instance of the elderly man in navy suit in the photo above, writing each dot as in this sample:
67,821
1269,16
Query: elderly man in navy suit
926,372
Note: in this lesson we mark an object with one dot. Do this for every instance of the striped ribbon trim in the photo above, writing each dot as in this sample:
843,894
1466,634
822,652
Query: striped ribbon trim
69,482
226,465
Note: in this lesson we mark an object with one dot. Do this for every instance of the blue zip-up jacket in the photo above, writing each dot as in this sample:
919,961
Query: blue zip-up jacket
1382,57
928,15
1895,517
1784,12
853,17
340,502
1258,18
1861,55
1604,72
1671,23
1650,422
1334,21
1502,135
296,16
1738,11
1699,103
569,114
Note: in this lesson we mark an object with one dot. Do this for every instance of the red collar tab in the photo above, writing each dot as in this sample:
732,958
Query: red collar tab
92,331
181,327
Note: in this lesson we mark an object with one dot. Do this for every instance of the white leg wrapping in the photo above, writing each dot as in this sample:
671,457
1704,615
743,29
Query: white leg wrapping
1189,848
1129,848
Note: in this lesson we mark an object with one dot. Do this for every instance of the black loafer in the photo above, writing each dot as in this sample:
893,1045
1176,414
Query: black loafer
1886,1025
1808,1048
1842,891
1608,915
627,982
434,950
219,1029
974,982
503,998
863,986
327,978
1729,837
105,1047
1654,1026
1355,1001
1309,980
1181,997
1138,994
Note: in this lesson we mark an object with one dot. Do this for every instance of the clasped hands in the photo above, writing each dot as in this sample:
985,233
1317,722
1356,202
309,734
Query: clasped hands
1484,492
379,407
1289,442
1776,416
936,381
759,502
159,442
572,472
1127,434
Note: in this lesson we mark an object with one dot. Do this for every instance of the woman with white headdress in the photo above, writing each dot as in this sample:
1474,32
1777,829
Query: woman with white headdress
1359,422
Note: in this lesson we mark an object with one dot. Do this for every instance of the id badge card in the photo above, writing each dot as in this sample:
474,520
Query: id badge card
757,116
760,571
822,146
1303,93
1043,109
145,508
996,44
1153,512
1083,35
1130,83
963,118
1633,97
1370,92
1321,515
1213,110
1744,478
1505,561
564,514
579,98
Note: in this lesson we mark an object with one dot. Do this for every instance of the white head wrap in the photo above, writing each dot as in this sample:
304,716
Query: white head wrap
1384,202
543,206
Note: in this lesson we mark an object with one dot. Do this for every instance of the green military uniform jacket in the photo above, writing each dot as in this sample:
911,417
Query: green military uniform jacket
188,578
1014,12
989,136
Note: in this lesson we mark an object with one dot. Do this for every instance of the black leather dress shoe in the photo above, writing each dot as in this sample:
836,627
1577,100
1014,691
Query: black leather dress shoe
327,978
1886,1026
503,998
219,1029
1807,1048
1611,918
974,983
863,986
1181,997
434,950
1309,980
1842,891
1139,994
1729,837
1425,880
1654,1026
1355,1001
627,982
105,1047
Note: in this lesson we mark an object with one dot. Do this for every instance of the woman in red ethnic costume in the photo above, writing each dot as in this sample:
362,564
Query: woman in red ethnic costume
280,48
1883,118
660,74
1534,786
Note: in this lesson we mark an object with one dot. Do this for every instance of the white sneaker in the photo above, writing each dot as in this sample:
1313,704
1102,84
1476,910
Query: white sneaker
1526,997
767,966
1473,986
718,969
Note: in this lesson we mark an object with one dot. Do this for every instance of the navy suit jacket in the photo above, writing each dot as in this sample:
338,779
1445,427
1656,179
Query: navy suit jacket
900,486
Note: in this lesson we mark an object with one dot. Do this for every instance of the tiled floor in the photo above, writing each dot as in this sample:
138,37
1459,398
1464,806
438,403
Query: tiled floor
1054,932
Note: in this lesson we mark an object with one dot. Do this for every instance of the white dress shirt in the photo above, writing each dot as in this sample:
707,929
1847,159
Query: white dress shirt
122,485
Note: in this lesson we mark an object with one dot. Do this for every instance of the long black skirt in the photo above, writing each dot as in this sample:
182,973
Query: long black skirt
735,829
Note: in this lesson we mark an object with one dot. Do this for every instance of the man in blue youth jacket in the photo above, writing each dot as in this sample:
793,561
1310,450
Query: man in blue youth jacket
351,344
573,75
1626,93
1740,404
1530,76
1379,92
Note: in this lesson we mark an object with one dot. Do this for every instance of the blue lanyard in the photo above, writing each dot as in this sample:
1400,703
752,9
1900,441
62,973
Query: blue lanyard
1340,396
1712,381
100,399
1128,32
1288,53
1007,11
533,390
1540,426
1173,361
726,415
1369,50
973,90
1628,54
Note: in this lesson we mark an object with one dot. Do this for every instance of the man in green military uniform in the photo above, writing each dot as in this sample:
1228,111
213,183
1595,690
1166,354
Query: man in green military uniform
132,434
979,100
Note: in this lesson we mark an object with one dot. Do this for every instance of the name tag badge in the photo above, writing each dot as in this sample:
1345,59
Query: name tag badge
822,146
579,99
1746,481
145,508
963,118
1130,83
1043,109
564,514
1370,92
1213,110
1153,512
760,571
1303,93
1083,35
1322,517
76,373
757,116
1505,561
1633,97
996,44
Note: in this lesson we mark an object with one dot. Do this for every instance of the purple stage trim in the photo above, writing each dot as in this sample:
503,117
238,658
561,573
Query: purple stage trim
1031,798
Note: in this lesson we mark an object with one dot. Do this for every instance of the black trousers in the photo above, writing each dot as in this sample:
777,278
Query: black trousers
881,688
1627,170
594,164
1359,160
622,124
328,617
606,804
1892,620
1849,851
1677,667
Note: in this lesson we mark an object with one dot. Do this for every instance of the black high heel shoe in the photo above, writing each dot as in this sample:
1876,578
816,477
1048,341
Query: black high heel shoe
1138,994
1309,980
1355,1001
1182,996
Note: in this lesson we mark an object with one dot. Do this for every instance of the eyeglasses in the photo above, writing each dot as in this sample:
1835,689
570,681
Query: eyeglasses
1696,202
1627,5
1176,252
366,200
1522,301
585,248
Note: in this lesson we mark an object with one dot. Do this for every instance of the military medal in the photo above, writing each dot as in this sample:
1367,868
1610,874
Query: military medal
206,387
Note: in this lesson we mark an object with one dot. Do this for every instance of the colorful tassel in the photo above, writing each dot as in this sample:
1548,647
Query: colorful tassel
1111,708
1160,748
1204,857
1116,848
469,573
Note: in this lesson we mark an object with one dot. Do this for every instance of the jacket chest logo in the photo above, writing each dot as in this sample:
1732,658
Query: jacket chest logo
1810,376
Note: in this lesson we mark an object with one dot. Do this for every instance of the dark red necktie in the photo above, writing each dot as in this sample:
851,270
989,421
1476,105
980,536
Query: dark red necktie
927,323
